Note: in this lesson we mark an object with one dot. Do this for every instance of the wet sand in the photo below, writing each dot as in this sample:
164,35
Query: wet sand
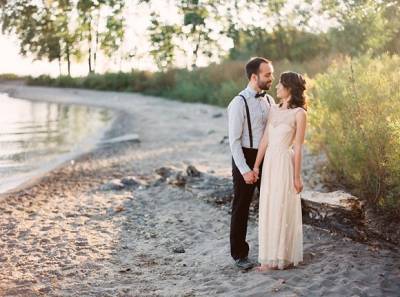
76,233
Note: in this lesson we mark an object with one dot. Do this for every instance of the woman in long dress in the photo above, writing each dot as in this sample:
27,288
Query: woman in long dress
280,220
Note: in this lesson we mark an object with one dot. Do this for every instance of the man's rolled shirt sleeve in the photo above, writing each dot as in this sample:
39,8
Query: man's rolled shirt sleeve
236,117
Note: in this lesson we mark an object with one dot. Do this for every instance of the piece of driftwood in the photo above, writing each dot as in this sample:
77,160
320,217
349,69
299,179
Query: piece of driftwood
123,138
337,211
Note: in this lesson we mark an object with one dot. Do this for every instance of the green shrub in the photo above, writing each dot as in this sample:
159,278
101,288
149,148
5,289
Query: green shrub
162,83
355,120
141,80
215,84
65,81
224,94
190,91
44,80
118,81
11,76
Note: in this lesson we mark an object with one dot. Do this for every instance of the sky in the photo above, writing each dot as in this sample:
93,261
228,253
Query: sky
12,62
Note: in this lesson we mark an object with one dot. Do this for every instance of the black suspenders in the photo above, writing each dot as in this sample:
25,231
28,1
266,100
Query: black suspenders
248,119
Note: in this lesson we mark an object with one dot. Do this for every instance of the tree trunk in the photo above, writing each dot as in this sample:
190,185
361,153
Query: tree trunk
95,51
68,60
196,52
59,65
90,45
97,42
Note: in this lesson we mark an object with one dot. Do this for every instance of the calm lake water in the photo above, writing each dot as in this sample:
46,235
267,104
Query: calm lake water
37,136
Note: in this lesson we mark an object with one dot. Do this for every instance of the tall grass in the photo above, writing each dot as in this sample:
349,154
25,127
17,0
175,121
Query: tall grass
355,119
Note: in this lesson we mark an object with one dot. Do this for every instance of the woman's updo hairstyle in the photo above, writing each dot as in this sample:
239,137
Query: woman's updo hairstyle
296,84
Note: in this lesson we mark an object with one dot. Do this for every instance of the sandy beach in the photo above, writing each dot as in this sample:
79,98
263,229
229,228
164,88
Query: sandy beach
109,223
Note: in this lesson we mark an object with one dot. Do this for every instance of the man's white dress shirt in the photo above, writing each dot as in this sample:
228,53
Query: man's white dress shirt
238,127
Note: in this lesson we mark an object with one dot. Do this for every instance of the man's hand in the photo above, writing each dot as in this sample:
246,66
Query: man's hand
249,177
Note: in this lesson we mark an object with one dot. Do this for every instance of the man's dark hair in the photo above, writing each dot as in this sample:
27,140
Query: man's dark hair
253,66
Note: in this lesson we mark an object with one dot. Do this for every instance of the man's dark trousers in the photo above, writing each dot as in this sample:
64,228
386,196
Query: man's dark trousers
240,206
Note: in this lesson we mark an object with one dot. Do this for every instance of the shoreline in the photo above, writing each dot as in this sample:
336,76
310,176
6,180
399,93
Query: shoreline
81,232
29,179
127,103
61,161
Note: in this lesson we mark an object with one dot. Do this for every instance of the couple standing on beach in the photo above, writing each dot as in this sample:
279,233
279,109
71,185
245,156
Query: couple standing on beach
266,141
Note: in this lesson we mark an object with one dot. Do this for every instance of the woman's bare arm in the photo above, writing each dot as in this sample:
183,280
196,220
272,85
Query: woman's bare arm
301,123
262,147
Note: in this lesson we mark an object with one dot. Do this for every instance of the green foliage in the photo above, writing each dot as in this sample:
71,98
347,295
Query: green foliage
110,38
355,120
10,76
364,26
225,93
49,30
61,81
42,80
216,84
196,34
119,81
392,15
161,38
65,81
43,30
283,43
68,31
109,81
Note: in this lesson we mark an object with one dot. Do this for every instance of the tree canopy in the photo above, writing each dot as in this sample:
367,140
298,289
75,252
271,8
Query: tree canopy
202,32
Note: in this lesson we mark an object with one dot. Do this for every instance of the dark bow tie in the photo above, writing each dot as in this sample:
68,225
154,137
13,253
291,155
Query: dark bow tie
261,94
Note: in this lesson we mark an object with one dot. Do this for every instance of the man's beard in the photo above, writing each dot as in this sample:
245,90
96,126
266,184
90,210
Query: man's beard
264,86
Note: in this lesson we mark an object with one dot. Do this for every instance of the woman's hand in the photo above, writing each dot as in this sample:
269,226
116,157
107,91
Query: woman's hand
298,185
256,171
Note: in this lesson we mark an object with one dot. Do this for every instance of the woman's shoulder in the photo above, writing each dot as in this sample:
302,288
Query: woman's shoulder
300,110
300,113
